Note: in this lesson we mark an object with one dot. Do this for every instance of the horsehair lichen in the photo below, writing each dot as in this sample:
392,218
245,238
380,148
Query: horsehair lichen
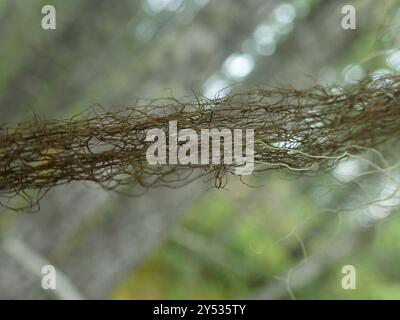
300,130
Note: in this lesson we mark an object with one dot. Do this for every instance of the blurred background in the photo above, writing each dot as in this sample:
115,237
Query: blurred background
285,238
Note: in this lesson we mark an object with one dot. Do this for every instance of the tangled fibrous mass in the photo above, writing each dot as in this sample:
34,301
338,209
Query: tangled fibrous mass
304,131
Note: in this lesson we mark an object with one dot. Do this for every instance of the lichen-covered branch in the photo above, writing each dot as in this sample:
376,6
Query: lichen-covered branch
300,130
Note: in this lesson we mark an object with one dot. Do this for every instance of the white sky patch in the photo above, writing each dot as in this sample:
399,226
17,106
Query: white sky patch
288,144
265,38
312,123
285,13
349,169
264,32
175,5
380,72
353,73
216,87
391,198
266,48
336,91
157,6
238,66
394,60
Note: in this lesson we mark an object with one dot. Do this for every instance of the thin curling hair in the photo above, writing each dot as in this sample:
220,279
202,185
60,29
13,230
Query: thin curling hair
303,131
